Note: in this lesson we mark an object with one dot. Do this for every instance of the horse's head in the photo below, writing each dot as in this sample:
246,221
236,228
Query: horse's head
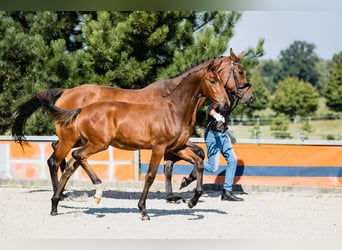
234,77
213,86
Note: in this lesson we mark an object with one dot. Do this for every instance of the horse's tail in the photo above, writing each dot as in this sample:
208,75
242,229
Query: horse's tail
61,116
25,110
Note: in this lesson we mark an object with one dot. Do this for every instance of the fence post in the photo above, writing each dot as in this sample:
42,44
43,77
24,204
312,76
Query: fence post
4,158
136,165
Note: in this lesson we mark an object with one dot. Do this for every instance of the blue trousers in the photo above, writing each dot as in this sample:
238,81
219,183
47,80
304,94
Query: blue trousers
220,143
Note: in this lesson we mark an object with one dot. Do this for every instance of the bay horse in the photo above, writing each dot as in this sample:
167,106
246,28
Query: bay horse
111,123
230,71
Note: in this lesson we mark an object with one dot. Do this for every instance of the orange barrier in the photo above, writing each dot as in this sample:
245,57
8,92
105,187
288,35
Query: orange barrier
258,164
273,164
30,162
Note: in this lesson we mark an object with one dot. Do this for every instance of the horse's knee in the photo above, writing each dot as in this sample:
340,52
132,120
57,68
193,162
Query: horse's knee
199,152
77,156
51,162
168,166
54,145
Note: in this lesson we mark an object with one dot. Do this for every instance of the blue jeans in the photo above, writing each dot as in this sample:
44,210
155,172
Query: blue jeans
218,142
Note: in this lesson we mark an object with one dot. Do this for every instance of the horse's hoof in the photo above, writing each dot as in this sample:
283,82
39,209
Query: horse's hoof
190,205
64,196
145,217
174,199
97,199
184,183
53,213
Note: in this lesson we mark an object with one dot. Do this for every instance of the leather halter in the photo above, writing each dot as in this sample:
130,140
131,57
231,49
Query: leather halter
238,87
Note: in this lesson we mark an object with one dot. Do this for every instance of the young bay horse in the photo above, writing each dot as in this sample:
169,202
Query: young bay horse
230,71
161,126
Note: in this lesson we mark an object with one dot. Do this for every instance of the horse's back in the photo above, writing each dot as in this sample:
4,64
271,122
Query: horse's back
85,94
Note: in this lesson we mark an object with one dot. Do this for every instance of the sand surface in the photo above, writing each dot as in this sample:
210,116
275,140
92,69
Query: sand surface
25,214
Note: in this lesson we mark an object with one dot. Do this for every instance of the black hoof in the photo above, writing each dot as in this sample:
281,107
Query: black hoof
64,196
190,205
185,182
174,199
145,217
53,213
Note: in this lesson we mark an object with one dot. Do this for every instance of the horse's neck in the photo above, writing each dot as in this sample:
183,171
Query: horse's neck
185,97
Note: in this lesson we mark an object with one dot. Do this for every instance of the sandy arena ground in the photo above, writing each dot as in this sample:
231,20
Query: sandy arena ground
24,214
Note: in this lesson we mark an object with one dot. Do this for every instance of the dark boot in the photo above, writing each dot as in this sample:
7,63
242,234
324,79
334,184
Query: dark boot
229,196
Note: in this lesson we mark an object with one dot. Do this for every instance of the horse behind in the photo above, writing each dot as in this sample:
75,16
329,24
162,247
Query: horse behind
161,124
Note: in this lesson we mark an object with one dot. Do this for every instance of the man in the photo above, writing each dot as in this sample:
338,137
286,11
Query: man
219,139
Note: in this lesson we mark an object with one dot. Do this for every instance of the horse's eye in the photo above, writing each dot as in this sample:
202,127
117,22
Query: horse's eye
212,81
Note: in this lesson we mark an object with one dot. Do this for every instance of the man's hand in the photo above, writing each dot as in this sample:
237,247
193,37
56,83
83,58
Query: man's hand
219,118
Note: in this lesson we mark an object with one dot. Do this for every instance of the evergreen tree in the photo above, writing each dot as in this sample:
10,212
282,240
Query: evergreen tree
45,49
333,88
32,57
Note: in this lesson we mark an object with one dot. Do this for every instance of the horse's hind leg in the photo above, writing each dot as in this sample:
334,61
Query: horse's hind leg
170,159
54,161
71,167
189,155
63,163
193,175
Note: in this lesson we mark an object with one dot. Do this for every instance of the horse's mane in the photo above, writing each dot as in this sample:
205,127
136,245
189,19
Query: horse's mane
196,65
180,83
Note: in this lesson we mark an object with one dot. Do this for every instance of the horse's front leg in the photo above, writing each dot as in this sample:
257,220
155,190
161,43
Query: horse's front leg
157,155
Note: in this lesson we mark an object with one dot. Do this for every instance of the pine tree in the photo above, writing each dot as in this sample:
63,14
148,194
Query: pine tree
45,49
32,58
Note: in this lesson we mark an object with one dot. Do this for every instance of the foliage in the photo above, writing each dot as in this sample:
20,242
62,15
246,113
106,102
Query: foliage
255,131
299,61
261,96
269,70
47,49
280,126
306,127
332,90
295,97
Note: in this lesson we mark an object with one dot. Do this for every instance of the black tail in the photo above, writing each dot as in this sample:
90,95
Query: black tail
61,116
24,111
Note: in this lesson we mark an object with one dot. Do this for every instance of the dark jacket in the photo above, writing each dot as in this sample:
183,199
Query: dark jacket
221,127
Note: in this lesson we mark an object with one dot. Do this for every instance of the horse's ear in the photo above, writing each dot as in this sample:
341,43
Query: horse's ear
214,65
235,58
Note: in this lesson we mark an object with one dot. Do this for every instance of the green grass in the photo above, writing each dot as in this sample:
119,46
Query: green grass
321,130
